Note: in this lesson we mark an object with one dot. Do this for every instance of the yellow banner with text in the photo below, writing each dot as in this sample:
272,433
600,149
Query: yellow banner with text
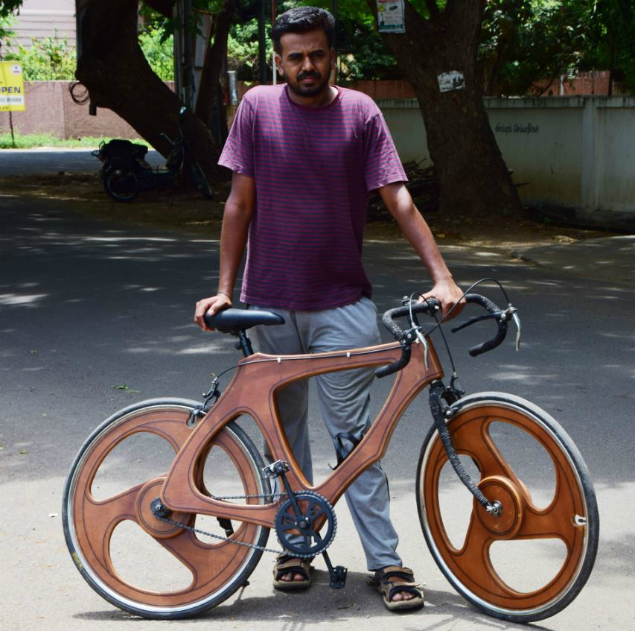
11,87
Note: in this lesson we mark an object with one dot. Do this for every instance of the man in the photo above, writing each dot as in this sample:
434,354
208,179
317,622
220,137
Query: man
304,157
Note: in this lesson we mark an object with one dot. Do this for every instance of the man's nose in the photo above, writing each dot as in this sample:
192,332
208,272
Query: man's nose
307,64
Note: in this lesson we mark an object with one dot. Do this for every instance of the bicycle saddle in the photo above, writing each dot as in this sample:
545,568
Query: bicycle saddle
234,320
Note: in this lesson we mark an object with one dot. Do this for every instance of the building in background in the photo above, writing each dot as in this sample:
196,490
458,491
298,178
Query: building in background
45,18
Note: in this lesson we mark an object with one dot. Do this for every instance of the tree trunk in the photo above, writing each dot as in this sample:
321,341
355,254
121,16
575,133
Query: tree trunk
210,92
114,70
473,176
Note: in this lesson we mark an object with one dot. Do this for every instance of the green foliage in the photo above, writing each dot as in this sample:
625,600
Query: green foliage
47,59
362,52
29,141
158,50
242,50
6,29
52,58
527,40
611,28
9,7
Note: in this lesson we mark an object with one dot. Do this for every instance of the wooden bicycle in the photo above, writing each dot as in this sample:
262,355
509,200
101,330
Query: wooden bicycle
172,508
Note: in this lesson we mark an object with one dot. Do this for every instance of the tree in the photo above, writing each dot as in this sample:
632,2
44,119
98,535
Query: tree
111,65
524,41
443,38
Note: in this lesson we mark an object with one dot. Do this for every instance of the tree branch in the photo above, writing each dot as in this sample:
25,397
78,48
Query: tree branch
415,22
433,9
164,7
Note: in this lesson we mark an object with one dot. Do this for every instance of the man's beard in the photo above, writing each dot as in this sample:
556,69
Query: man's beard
313,90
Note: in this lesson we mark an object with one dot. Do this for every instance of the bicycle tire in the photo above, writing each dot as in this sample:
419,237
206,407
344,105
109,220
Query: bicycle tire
113,179
200,181
470,568
218,569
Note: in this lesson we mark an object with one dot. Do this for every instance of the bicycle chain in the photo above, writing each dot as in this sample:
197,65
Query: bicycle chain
220,537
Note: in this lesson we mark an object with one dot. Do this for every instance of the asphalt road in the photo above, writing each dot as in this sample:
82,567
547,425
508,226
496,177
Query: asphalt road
48,161
94,317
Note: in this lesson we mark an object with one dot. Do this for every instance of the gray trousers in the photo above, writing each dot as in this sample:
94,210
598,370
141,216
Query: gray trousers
344,402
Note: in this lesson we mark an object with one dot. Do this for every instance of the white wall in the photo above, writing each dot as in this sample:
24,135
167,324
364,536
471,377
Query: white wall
43,18
574,152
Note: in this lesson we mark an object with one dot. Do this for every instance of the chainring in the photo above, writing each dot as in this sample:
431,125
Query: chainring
298,534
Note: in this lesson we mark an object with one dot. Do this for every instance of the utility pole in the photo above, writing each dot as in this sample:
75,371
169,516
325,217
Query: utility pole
262,42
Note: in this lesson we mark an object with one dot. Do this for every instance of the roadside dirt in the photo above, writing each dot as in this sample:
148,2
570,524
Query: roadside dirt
188,211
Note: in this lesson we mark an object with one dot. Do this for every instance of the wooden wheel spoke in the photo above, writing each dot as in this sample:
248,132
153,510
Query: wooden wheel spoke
473,440
104,516
203,560
476,545
474,561
557,520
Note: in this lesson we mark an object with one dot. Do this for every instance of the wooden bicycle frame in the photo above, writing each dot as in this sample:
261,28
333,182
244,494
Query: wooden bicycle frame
252,391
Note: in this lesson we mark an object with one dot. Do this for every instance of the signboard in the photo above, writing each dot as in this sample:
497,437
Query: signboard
390,16
452,80
11,87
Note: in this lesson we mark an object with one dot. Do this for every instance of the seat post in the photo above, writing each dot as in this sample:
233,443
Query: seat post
244,343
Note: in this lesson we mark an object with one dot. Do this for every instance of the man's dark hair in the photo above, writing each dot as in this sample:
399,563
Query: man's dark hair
303,20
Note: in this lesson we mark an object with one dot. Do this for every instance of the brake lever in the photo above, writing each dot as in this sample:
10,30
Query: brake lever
426,347
516,320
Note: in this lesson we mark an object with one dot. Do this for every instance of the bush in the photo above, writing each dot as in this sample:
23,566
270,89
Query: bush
48,59
52,59
158,50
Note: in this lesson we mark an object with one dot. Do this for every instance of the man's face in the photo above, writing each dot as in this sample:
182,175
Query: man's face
306,62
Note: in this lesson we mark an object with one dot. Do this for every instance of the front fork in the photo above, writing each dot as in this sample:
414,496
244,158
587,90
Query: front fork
441,400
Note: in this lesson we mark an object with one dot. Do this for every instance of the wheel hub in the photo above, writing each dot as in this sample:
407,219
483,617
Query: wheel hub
149,511
508,521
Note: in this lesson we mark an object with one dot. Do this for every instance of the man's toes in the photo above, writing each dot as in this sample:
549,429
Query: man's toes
399,596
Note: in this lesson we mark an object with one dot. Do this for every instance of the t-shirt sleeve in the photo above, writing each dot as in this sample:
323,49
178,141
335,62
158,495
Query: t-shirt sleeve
237,153
382,163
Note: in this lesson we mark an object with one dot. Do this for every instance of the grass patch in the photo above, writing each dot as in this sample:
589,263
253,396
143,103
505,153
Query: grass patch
33,141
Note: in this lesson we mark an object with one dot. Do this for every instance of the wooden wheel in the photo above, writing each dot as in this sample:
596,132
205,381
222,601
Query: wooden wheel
568,517
126,568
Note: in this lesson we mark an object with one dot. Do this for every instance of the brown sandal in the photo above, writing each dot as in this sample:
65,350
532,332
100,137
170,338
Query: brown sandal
384,580
290,565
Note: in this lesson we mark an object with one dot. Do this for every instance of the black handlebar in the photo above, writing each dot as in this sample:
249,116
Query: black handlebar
406,338
388,319
495,312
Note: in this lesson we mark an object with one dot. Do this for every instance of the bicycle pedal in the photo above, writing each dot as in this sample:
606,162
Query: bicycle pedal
276,469
338,577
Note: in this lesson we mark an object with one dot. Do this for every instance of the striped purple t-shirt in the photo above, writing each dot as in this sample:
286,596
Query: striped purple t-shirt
313,169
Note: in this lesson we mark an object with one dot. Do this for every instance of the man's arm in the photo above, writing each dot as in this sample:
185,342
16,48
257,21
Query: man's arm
236,219
399,202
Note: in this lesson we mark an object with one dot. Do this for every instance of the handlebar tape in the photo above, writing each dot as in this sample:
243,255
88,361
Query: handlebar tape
399,312
402,362
388,320
487,304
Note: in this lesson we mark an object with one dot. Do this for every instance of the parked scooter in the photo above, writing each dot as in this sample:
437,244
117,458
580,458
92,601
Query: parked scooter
125,171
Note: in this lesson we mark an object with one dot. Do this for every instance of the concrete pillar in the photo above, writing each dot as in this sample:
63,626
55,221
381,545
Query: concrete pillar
592,156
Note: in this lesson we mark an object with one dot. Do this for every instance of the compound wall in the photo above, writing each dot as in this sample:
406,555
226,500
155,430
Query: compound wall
575,154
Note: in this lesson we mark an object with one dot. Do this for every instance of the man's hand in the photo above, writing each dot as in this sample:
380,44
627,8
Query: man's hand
213,305
448,294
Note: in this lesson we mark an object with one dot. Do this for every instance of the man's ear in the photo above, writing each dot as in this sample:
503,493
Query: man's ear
333,56
278,60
